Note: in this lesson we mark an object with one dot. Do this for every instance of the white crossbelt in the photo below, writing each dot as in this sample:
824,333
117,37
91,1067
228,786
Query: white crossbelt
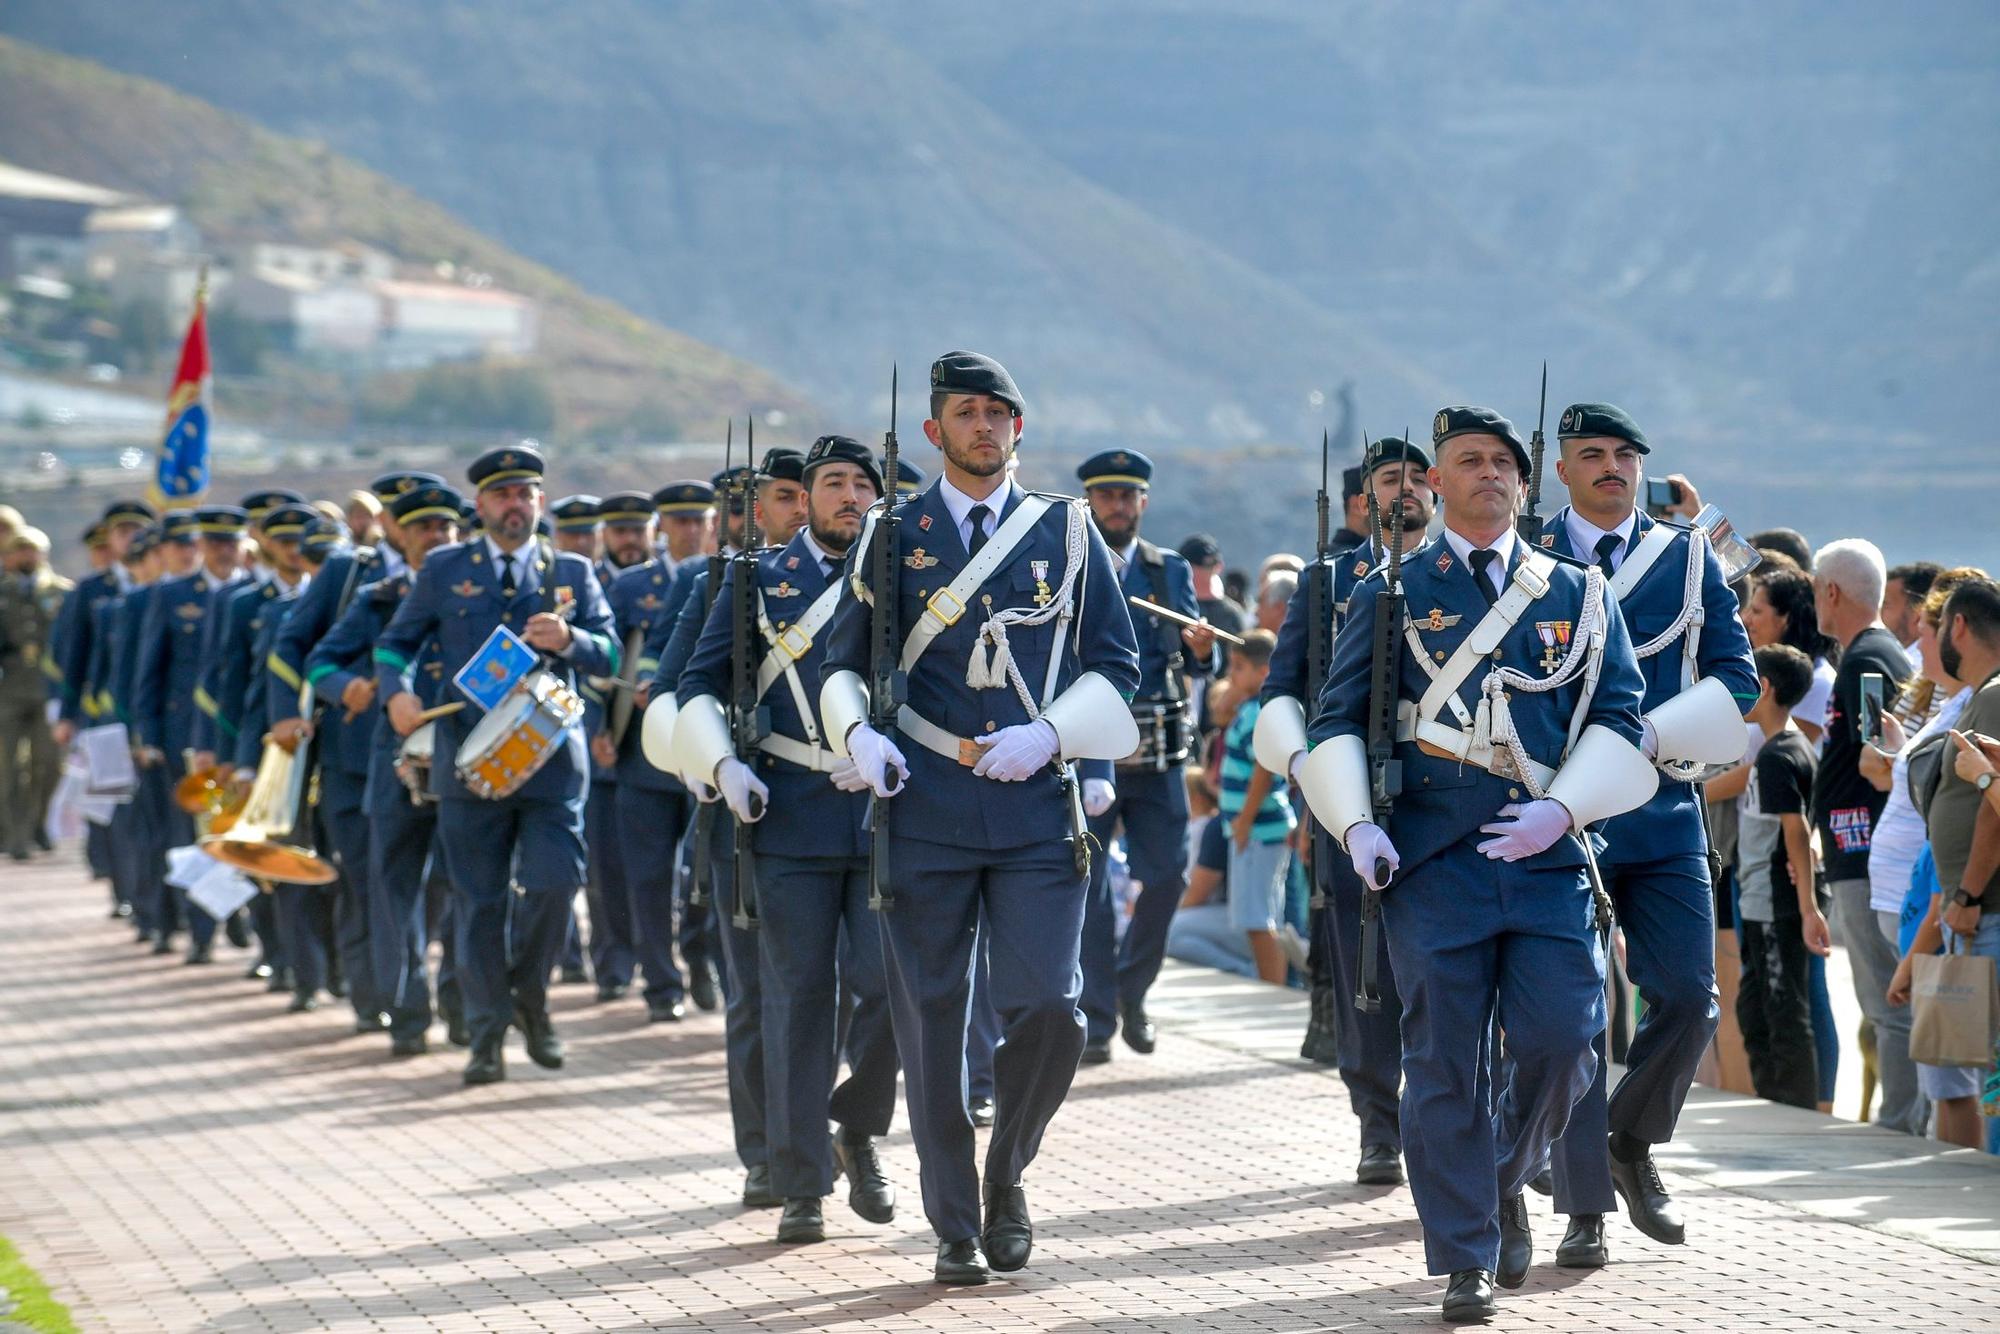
946,605
1644,556
1688,622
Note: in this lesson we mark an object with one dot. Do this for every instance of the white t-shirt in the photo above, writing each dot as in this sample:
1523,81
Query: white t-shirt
1899,833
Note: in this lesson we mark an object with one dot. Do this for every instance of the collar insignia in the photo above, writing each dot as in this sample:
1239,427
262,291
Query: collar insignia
917,560
1360,567
791,562
1444,562
923,523
1548,539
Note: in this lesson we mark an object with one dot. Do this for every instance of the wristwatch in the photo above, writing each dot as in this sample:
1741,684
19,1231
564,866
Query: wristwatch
1985,781
1961,899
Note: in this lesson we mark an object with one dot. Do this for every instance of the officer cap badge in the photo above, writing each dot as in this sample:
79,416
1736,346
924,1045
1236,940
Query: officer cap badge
1440,424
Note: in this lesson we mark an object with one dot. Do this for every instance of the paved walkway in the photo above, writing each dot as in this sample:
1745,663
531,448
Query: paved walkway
177,1154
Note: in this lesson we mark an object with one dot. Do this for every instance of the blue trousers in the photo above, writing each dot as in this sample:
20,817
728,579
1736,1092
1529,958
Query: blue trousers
1153,809
399,852
650,823
983,1033
1032,900
606,887
743,1010
1474,940
508,940
174,828
1371,1045
817,938
1667,911
341,809
305,916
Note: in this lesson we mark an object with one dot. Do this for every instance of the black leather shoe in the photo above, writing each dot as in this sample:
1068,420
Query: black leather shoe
200,954
573,975
665,1012
802,1222
701,987
611,991
277,982
336,984
303,1003
1651,1209
122,910
1583,1244
488,1064
1097,1051
1517,1243
1380,1165
144,936
164,945
416,1044
1321,1045
868,1191
757,1192
982,1112
236,931
1543,1182
258,971
544,1047
960,1264
1009,1234
1469,1297
371,1023
1137,1029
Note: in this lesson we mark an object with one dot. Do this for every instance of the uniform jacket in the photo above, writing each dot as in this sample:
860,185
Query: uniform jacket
128,623
1444,801
28,616
342,575
75,638
1288,658
1159,639
645,601
226,666
1670,823
944,801
170,662
808,815
346,652
456,600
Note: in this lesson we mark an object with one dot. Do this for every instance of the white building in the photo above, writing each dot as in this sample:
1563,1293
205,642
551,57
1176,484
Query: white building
315,316
427,322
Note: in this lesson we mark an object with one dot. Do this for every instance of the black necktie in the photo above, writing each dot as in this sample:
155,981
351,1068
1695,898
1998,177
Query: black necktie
977,515
507,584
1481,560
1607,547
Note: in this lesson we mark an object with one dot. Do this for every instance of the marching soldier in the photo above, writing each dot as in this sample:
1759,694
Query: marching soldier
127,835
31,599
1517,727
1147,794
401,812
528,844
816,940
168,669
574,525
1020,657
1368,1047
687,523
577,529
1700,680
175,556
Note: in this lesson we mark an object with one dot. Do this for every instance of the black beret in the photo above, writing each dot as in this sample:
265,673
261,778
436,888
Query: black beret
843,449
574,514
1116,467
434,500
1350,483
971,373
258,504
684,498
178,526
1588,419
510,463
909,477
128,511
288,520
220,521
1478,421
627,508
392,484
1391,449
782,464
1201,549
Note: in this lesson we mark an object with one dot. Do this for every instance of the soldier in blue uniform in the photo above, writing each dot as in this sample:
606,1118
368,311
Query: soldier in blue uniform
1368,1047
175,556
816,939
1518,727
686,512
1020,657
403,823
128,837
519,857
169,667
1147,793
1700,680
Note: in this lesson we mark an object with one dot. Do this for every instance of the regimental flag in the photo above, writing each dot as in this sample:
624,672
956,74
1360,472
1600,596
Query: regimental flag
180,477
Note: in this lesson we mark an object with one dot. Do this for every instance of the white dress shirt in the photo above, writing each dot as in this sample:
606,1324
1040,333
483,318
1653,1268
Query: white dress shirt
526,578
1585,535
959,504
1496,573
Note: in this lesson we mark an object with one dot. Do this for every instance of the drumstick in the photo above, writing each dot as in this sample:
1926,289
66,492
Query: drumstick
1188,621
441,711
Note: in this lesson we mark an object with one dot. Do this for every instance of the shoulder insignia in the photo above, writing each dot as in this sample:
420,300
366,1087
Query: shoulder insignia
465,588
917,560
783,590
1360,567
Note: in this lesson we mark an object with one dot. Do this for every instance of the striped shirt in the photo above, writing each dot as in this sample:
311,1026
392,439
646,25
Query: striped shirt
1274,818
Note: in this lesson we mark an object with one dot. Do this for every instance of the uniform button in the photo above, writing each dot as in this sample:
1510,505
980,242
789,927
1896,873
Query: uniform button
992,726
1513,794
1427,782
1496,655
1440,655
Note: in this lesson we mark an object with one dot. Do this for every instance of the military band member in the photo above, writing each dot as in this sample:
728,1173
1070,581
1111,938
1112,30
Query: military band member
128,836
169,667
1700,680
1368,1047
96,837
176,556
1146,795
687,523
816,939
402,818
528,847
1519,698
1020,657
574,524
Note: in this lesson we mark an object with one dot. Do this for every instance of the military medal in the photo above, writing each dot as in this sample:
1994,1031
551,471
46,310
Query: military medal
1040,570
565,601
1555,639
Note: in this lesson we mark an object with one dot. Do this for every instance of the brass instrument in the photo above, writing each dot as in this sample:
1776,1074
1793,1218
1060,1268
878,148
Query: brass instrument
256,843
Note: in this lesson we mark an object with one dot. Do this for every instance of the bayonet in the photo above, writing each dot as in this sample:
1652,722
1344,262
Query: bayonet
887,683
1529,526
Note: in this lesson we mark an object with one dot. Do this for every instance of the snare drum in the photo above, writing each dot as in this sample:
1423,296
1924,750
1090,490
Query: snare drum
413,763
1163,737
513,741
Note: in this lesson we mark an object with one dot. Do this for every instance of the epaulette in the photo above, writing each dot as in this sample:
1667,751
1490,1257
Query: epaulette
1577,561
1055,495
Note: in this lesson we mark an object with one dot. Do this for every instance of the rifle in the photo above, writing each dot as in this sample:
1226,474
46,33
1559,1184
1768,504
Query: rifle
748,722
704,823
1385,771
888,684
1319,616
1528,526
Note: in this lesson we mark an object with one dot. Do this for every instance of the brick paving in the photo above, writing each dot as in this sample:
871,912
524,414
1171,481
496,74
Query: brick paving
178,1154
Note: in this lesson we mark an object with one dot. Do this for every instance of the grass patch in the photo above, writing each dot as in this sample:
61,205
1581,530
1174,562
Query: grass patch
25,1299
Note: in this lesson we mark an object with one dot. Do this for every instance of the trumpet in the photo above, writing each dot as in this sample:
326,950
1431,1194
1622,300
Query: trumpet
256,841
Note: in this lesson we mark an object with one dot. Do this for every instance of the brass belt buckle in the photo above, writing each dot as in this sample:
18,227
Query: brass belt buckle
939,601
795,642
969,751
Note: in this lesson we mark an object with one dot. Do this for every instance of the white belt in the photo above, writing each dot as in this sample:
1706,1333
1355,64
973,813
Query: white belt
1458,743
957,749
816,758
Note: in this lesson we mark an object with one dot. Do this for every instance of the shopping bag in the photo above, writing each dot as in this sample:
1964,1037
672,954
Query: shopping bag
1954,1009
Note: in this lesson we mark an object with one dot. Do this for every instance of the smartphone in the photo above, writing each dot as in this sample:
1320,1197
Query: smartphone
1874,686
1661,497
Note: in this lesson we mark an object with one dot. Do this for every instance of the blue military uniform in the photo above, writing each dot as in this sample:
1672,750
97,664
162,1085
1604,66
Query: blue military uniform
532,839
138,826
959,842
1473,939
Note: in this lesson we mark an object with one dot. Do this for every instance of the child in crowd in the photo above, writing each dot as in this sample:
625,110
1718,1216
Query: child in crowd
1259,813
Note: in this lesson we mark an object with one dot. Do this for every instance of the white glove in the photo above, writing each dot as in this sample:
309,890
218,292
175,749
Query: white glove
874,756
702,792
1098,794
1018,752
1367,844
846,777
1525,830
743,790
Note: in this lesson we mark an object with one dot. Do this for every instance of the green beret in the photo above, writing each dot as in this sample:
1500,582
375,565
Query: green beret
1601,419
1478,421
1392,449
971,373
